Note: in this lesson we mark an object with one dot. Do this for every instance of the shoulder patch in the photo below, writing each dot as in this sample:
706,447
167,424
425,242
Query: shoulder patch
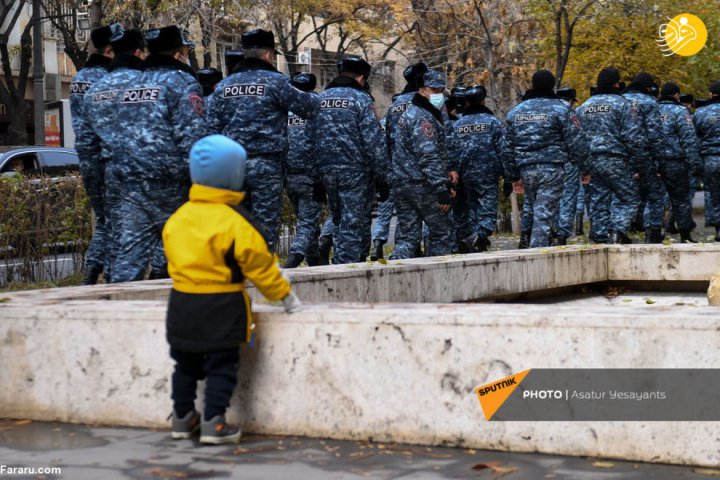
197,103
576,121
79,88
428,129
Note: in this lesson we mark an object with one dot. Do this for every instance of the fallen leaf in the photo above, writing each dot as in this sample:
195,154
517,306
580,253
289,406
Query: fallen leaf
603,465
382,261
5,299
161,472
626,300
667,242
471,451
23,422
649,301
496,467
707,471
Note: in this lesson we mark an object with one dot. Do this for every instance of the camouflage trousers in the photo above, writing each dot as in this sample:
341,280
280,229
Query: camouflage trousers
614,197
543,189
143,207
93,177
263,189
349,196
711,178
300,192
652,196
475,212
677,181
414,205
568,201
381,229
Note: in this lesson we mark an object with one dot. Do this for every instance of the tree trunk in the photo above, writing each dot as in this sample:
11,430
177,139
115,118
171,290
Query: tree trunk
17,129
96,15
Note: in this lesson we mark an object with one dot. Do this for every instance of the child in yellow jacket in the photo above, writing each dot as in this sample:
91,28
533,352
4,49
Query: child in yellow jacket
212,246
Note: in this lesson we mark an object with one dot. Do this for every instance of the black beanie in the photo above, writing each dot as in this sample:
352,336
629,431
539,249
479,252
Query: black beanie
643,79
608,77
543,81
101,37
669,89
715,87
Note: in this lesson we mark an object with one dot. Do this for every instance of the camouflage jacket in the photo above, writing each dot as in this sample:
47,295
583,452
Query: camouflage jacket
95,68
679,140
420,150
301,153
479,142
649,117
251,106
707,126
349,135
613,129
543,130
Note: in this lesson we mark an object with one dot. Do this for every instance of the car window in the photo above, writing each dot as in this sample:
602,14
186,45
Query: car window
59,162
22,163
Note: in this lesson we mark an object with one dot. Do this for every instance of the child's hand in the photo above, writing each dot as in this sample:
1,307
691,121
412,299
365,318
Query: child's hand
291,302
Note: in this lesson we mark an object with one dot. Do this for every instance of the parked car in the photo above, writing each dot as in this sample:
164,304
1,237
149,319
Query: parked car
45,160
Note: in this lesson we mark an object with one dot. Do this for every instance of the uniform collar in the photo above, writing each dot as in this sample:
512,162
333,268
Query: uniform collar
254,64
478,109
422,102
97,60
201,193
125,60
160,61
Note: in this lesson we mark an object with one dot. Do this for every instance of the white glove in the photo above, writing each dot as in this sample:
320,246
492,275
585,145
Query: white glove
291,302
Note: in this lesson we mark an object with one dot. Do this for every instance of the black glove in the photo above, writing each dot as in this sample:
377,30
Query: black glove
318,193
444,198
382,190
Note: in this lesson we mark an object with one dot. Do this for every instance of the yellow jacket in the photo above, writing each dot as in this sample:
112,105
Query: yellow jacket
212,245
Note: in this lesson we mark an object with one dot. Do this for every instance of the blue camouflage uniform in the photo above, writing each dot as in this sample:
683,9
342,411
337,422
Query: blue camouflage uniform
92,162
707,126
251,106
165,116
385,210
478,148
419,178
350,152
542,134
652,190
681,157
301,182
617,149
100,104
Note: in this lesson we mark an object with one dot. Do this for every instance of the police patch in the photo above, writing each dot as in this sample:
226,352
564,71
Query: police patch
295,121
79,88
476,128
252,90
141,95
428,129
400,108
533,117
108,96
576,121
605,108
342,103
197,103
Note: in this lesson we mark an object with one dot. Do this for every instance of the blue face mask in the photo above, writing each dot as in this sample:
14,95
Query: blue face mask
437,100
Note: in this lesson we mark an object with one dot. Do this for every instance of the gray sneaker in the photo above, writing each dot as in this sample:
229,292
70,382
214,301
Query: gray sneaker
183,428
216,431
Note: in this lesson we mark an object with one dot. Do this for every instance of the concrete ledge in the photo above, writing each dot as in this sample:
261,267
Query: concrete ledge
400,372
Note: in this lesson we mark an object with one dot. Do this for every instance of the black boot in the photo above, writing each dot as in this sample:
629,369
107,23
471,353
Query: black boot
579,228
377,251
418,252
670,225
324,246
619,238
91,275
158,274
717,234
294,260
466,245
685,237
313,261
524,240
481,244
560,240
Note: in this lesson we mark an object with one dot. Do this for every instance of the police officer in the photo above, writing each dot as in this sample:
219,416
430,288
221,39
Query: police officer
251,106
652,191
681,156
209,78
414,77
90,155
351,152
162,114
303,185
707,125
479,145
233,60
420,173
617,149
542,134
100,104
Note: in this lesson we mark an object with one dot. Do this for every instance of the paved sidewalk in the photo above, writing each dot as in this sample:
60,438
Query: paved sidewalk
96,453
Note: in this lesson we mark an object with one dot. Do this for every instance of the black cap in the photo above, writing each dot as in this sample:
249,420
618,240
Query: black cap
476,93
608,77
687,98
128,41
303,81
414,73
355,64
233,58
568,94
459,92
165,39
669,89
259,38
643,79
543,81
715,87
101,37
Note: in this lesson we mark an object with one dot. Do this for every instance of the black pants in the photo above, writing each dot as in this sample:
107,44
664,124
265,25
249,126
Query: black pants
219,369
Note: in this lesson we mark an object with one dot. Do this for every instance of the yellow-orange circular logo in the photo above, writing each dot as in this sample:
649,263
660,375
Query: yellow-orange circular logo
683,35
